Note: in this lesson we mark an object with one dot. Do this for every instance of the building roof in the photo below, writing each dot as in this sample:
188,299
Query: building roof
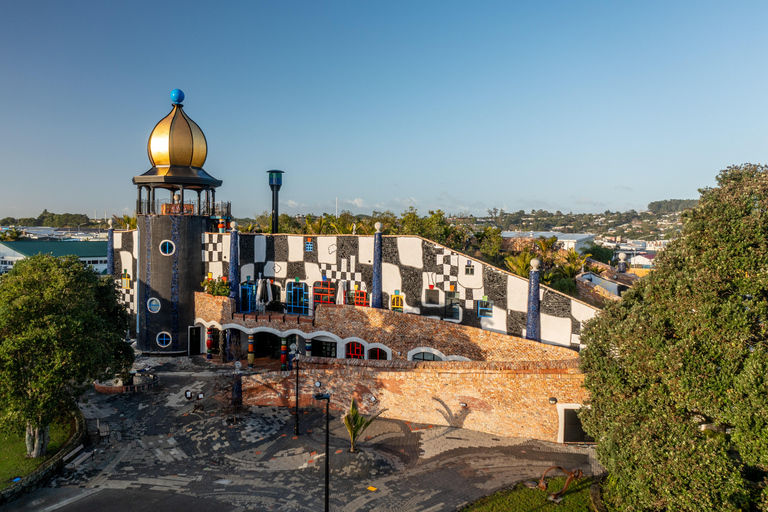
546,234
59,248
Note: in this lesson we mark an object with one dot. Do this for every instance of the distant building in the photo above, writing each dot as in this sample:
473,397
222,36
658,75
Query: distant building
657,245
643,260
91,253
567,240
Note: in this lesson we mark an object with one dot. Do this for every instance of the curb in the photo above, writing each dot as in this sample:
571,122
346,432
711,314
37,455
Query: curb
114,390
48,468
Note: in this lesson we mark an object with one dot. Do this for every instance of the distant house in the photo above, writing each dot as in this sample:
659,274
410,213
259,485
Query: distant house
91,253
643,260
567,240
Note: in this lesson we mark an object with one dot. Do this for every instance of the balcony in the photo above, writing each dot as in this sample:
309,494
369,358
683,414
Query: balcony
218,209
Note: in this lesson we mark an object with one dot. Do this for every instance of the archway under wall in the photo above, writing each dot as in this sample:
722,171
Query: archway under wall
267,341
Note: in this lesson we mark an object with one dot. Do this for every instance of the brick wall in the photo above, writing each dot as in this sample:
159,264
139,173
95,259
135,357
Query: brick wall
400,332
612,273
594,294
502,398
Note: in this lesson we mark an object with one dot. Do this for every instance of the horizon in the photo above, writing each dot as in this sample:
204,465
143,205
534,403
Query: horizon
577,108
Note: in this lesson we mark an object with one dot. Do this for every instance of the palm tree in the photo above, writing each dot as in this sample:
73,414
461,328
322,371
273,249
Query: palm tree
574,258
568,270
250,228
356,423
126,222
521,264
314,226
548,247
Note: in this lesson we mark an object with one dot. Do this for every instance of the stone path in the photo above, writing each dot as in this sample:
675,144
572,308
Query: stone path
162,443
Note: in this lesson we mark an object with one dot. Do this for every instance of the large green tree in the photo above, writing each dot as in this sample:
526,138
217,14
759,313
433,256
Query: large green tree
677,369
61,327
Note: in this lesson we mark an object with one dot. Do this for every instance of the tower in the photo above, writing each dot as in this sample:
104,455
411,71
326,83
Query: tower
170,261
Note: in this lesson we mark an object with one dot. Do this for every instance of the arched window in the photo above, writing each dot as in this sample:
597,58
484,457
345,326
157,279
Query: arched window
377,353
425,356
354,351
397,302
297,298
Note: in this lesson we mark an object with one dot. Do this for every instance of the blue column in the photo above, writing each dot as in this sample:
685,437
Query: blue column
533,325
234,266
622,262
111,250
376,291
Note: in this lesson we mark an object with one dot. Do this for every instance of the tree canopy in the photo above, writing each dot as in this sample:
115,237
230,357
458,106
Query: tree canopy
677,369
671,205
60,328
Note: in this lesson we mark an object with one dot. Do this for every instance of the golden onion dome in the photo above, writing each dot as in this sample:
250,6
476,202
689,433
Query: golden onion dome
176,139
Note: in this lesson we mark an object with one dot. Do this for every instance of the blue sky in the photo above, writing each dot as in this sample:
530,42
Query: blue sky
462,106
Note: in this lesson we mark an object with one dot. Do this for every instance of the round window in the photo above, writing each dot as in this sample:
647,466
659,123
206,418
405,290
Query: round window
153,305
164,339
167,247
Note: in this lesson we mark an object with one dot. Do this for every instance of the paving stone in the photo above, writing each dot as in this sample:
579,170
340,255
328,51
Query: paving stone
166,446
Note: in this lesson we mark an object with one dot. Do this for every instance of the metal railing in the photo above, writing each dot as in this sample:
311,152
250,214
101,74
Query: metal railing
217,209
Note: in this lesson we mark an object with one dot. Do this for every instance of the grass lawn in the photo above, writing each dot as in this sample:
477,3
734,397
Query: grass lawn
522,499
13,460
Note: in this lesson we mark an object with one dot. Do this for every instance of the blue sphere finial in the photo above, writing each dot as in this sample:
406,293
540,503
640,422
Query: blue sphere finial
177,96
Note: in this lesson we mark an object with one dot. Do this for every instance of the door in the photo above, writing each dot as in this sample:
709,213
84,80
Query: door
194,335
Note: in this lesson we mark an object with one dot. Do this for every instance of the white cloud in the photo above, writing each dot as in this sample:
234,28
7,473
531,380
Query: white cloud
291,203
357,202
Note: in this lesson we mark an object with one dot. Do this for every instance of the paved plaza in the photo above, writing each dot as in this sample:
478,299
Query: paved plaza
188,455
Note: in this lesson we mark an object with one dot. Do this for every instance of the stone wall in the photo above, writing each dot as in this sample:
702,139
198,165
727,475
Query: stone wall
400,332
507,399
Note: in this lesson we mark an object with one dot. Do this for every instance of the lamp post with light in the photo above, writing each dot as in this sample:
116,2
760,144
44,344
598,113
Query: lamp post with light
327,398
295,349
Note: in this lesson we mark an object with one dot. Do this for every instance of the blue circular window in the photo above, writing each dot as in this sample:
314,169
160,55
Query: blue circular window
153,305
164,339
167,247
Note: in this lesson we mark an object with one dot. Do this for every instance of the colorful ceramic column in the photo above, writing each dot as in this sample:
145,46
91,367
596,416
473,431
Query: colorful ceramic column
251,352
209,343
533,324
234,266
308,347
376,285
622,262
283,354
111,250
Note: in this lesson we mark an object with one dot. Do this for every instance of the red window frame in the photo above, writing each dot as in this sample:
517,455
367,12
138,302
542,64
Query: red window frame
357,298
324,292
354,350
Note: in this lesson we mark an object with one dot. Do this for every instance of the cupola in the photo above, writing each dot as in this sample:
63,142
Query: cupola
177,150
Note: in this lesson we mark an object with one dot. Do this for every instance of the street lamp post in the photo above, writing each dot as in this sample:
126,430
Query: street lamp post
296,413
275,182
327,398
